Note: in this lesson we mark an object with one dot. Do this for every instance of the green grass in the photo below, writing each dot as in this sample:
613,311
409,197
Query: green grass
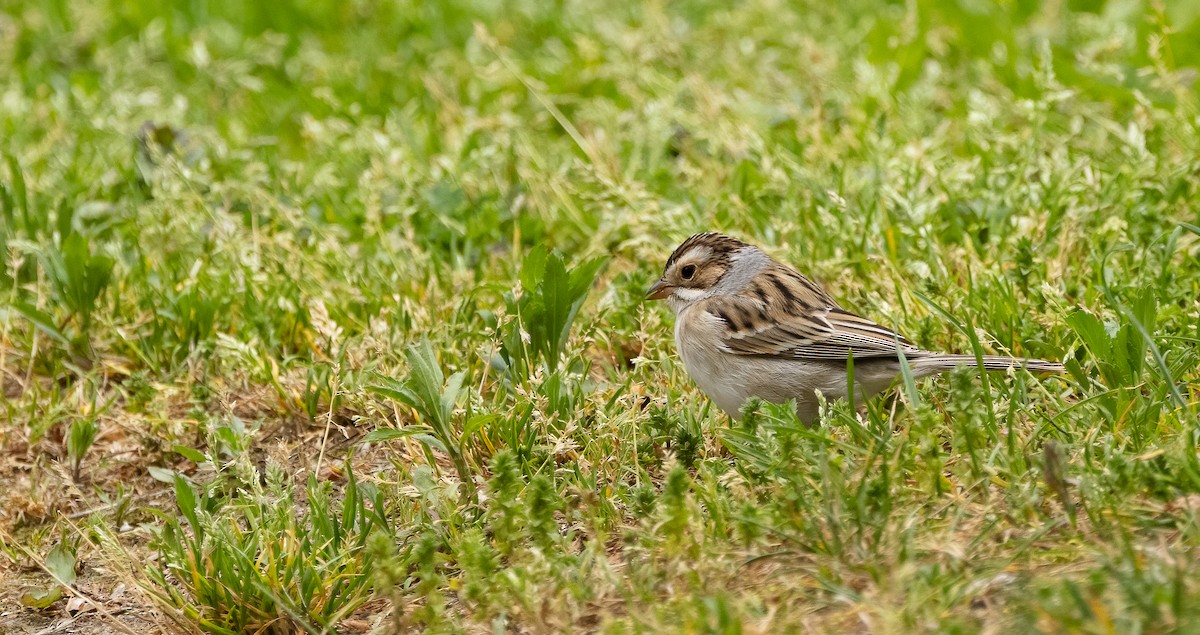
329,316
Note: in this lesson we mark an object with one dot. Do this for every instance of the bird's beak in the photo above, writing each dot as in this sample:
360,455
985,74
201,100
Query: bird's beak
659,291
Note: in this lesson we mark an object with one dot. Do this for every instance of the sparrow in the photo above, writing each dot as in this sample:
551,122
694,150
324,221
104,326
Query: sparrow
749,326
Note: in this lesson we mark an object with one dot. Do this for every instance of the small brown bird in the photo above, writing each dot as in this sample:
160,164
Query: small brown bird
749,326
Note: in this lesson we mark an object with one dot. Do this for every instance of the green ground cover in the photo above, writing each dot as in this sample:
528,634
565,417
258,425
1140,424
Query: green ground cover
323,317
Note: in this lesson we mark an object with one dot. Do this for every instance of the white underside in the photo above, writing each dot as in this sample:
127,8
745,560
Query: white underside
730,379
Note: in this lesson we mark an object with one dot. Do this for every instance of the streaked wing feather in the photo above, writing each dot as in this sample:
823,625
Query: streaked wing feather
828,333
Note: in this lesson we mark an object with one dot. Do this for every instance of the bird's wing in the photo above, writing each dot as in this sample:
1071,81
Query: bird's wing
753,327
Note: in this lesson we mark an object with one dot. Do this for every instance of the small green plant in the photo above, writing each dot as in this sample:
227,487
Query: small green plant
78,276
80,437
504,505
433,397
318,389
60,564
1118,349
543,311
967,173
549,301
677,431
1135,377
248,563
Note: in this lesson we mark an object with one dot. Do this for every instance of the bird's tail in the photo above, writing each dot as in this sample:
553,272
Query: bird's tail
944,362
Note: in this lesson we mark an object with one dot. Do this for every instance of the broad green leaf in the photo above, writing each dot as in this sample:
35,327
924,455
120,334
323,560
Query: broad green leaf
162,474
41,320
425,379
41,598
1128,351
61,563
532,268
1145,308
80,276
477,423
388,434
185,497
190,454
1144,311
1089,329
562,293
582,278
433,442
396,390
450,394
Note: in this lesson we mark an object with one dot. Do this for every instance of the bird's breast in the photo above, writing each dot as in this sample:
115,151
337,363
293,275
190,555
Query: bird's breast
698,337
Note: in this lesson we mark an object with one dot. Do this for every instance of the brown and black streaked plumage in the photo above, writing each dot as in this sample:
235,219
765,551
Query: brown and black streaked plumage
750,326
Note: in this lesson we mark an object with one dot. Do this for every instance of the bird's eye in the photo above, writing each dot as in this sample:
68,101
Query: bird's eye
688,271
